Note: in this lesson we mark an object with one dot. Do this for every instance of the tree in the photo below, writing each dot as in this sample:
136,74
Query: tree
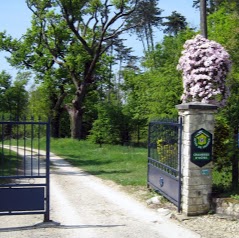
211,5
28,52
214,5
72,36
153,94
175,23
47,101
223,27
13,95
135,88
112,126
146,16
203,18
166,86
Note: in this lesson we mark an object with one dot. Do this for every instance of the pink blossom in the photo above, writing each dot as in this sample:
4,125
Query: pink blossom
204,65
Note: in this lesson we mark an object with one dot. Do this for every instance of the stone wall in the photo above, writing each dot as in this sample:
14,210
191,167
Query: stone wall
226,206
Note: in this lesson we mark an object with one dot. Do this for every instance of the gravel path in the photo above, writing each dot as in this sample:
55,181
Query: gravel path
88,207
213,226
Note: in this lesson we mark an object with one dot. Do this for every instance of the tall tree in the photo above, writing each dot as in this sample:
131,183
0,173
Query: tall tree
146,16
175,23
72,36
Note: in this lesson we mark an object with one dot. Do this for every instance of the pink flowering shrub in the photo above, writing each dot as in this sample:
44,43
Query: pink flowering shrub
205,65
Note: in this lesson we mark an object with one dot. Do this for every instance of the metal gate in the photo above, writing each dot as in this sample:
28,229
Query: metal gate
164,159
24,167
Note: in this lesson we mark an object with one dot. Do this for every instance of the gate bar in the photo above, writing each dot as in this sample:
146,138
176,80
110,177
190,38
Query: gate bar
47,214
180,162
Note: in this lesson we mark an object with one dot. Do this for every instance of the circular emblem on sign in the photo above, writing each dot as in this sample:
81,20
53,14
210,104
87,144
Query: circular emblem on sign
202,140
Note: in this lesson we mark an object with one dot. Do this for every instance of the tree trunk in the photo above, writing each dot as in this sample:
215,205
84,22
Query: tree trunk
76,117
203,18
55,124
76,123
57,110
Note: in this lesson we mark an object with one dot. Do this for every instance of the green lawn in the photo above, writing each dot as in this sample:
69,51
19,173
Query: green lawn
121,164
10,162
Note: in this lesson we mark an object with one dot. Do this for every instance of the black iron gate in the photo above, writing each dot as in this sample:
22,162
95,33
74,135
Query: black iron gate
24,167
164,159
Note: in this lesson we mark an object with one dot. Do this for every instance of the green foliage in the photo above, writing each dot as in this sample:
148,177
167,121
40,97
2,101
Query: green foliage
223,28
67,44
111,126
154,93
145,18
13,95
235,196
214,5
175,23
221,183
119,3
222,145
38,103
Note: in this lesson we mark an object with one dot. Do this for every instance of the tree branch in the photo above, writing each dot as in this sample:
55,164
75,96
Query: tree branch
70,23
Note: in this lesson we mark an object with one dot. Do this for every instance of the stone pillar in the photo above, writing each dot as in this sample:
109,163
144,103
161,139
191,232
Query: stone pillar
196,181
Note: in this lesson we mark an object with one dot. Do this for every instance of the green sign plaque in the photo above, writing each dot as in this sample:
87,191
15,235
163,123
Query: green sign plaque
201,147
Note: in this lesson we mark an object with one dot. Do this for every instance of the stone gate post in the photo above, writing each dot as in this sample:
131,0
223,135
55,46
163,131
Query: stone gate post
196,166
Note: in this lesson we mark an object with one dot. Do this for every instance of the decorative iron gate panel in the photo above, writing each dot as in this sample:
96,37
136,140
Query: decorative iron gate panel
164,159
24,167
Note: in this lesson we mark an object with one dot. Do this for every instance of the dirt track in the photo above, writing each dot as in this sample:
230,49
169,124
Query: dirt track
88,207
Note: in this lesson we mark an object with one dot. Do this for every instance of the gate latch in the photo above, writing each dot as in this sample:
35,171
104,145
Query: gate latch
161,182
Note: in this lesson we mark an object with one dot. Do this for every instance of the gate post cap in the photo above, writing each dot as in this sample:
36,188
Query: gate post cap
196,105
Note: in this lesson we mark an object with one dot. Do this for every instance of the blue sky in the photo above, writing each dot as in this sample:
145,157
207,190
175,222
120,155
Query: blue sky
15,17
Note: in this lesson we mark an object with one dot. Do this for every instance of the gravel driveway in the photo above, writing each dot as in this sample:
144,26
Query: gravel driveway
86,207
